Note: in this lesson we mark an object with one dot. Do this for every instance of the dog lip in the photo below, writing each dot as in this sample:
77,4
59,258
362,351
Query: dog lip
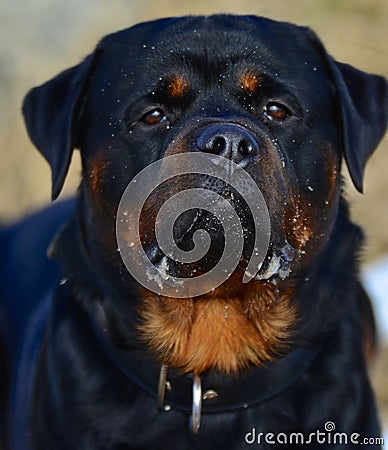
156,255
196,218
277,263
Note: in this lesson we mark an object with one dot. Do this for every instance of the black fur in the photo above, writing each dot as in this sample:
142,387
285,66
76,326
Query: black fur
64,390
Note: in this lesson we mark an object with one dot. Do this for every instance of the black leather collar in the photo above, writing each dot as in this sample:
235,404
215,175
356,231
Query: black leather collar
226,393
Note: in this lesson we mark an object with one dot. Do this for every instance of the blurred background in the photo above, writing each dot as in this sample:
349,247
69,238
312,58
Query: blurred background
39,38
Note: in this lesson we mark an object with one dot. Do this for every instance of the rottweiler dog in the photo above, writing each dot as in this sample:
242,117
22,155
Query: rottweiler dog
96,360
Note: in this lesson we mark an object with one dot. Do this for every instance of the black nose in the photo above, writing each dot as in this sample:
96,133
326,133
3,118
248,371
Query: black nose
230,141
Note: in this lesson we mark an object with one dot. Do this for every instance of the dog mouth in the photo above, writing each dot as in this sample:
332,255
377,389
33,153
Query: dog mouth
277,263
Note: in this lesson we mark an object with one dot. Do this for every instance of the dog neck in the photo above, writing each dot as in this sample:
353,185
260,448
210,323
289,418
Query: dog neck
227,330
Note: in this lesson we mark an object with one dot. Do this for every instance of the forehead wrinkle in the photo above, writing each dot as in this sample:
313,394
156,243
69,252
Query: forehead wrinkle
188,68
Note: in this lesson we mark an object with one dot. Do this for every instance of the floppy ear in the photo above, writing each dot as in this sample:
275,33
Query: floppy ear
51,113
364,108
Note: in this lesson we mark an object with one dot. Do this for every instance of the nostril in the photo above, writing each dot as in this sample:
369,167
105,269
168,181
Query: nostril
245,147
212,143
218,145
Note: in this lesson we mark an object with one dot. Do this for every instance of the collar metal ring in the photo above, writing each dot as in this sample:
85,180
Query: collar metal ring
197,404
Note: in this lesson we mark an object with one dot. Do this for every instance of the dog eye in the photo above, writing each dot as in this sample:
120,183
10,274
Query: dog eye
276,111
154,117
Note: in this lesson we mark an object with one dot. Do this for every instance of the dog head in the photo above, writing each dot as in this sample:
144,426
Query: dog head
262,94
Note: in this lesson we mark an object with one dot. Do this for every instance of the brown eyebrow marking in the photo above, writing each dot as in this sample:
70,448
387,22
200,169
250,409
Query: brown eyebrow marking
178,86
249,81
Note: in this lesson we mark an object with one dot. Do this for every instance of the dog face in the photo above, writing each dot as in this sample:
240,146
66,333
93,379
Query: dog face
270,114
263,94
